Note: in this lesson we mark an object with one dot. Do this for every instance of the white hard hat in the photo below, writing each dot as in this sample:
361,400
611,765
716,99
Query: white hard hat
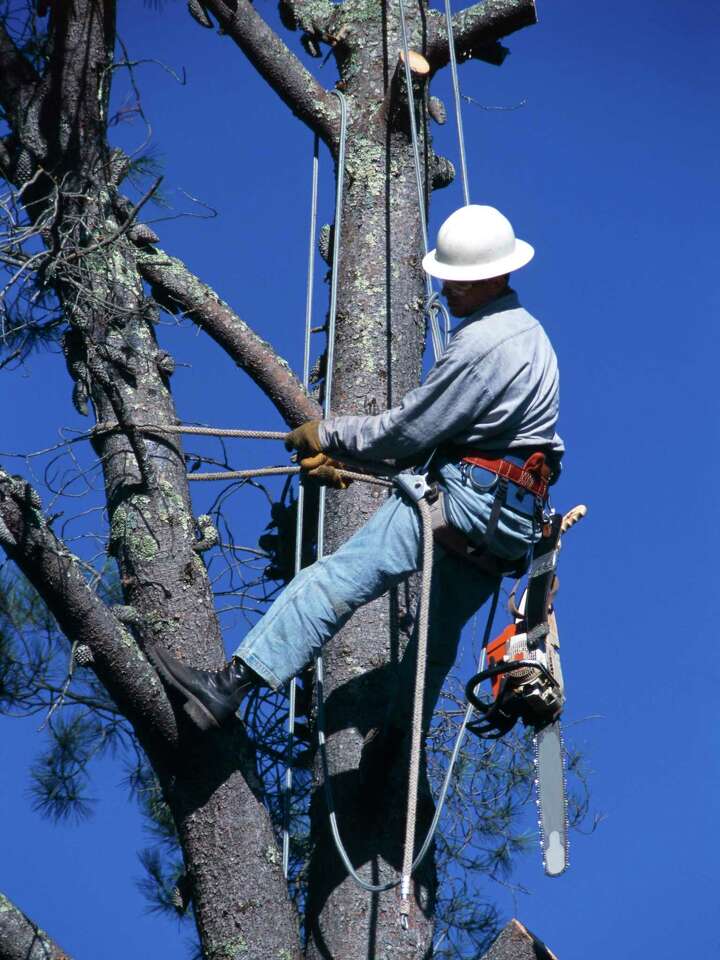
476,243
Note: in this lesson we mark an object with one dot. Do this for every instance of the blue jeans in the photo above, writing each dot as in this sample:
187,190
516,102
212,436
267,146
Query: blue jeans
381,554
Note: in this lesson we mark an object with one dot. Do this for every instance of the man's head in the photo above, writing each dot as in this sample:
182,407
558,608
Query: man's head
476,251
465,297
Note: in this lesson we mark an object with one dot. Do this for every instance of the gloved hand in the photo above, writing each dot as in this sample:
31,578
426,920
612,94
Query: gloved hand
325,470
305,439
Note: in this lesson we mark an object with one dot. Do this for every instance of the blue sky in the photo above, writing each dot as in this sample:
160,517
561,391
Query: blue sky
611,170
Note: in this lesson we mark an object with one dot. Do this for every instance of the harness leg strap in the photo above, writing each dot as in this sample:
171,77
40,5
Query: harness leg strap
456,542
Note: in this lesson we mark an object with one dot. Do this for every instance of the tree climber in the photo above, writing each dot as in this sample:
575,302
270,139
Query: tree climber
486,414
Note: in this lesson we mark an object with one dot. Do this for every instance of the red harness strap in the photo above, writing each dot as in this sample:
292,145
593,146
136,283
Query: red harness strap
533,475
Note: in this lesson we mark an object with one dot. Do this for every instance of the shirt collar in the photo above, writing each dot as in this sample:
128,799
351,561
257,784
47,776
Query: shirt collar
508,300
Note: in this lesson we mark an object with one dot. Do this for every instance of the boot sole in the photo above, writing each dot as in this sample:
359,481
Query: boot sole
198,713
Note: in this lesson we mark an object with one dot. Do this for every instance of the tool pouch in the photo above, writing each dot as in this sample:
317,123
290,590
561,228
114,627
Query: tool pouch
458,544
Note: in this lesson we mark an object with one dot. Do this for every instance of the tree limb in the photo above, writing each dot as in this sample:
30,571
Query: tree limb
295,85
476,29
82,616
177,289
17,75
22,939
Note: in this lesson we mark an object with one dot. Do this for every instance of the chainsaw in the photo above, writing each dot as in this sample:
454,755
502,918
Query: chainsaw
523,667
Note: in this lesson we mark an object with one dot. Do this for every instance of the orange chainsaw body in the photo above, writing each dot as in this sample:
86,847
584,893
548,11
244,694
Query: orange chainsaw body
496,653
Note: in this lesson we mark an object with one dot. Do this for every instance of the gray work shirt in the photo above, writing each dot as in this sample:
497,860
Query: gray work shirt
496,387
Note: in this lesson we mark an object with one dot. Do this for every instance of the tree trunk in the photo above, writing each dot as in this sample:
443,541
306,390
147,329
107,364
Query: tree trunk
378,358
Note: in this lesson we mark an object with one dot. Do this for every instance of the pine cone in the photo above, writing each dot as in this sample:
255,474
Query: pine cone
141,234
83,656
80,397
325,242
23,167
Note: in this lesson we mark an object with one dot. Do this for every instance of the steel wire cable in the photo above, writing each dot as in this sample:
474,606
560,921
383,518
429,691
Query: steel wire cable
292,688
456,97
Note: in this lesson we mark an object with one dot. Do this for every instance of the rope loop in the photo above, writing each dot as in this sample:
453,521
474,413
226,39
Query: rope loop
434,307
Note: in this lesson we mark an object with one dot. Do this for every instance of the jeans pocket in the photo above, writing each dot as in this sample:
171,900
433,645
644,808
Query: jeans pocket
482,480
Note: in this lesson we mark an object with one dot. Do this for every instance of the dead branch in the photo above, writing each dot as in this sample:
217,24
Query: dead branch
295,85
82,616
476,30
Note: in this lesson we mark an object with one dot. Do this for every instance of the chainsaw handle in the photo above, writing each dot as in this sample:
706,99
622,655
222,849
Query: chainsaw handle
572,517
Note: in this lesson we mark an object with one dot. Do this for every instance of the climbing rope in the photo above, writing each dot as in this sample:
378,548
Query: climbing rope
286,471
184,428
418,701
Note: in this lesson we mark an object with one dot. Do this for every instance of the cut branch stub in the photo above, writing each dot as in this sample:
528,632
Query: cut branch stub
394,107
443,172
199,14
437,110
516,942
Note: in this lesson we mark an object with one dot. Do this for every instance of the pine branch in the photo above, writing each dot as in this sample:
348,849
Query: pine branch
477,29
82,616
179,290
295,85
22,939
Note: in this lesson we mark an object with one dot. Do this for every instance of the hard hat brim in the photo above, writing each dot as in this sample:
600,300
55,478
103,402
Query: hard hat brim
521,255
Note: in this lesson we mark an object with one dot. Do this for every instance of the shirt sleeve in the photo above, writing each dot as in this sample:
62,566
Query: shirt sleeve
453,395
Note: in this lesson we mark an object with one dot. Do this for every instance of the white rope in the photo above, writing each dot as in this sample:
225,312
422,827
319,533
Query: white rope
417,721
184,428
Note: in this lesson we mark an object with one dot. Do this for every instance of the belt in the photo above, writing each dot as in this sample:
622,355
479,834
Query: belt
533,475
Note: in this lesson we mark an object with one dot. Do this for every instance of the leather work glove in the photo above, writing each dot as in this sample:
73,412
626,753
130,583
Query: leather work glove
305,438
325,470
